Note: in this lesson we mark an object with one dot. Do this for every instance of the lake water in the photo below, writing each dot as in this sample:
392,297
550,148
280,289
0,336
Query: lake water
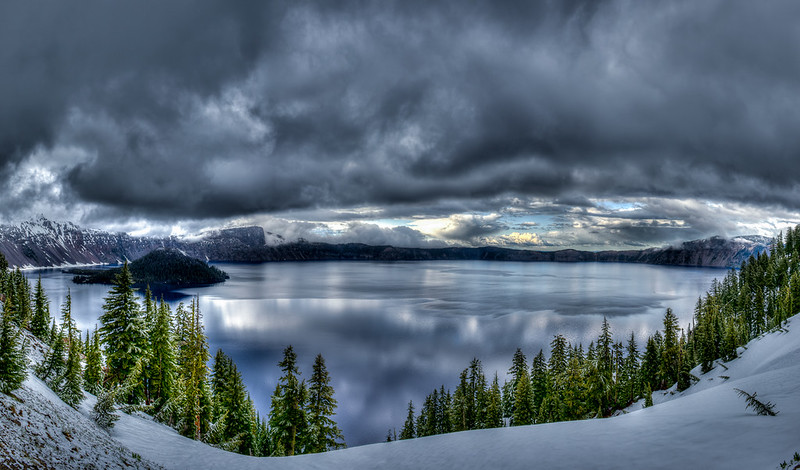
391,332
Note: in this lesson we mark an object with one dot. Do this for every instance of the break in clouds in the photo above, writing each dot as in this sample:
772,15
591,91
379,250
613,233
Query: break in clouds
548,123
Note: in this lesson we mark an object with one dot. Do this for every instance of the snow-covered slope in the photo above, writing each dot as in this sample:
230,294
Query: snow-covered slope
706,427
38,430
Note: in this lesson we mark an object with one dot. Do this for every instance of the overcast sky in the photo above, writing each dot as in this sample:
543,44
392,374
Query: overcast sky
534,124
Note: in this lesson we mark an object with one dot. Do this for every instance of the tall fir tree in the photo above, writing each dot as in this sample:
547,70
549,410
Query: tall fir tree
93,372
519,367
162,361
670,355
122,331
70,389
13,363
494,405
287,418
409,430
523,401
196,408
40,322
323,433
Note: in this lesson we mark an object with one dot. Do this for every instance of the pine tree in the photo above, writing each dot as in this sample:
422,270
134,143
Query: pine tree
519,368
523,406
71,391
122,331
40,322
162,362
539,380
93,372
670,356
287,417
51,370
494,407
323,433
13,363
409,429
195,415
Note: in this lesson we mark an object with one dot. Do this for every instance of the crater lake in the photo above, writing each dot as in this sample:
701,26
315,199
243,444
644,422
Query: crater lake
392,332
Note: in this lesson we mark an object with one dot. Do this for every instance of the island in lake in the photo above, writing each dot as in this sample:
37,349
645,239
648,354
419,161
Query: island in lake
161,269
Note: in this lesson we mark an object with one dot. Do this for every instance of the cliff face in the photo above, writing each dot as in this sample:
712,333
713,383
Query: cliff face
42,243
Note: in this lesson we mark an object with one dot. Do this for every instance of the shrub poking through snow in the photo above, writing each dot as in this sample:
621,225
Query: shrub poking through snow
761,408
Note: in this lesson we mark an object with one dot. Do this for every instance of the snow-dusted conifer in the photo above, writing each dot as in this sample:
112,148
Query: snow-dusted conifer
40,322
13,365
122,330
93,372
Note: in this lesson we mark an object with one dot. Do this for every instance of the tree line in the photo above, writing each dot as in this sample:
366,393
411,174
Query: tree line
574,382
145,357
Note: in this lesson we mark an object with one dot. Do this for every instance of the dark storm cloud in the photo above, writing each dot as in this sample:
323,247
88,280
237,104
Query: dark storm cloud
198,110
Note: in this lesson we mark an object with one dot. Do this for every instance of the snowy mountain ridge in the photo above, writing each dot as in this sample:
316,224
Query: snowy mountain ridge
44,243
705,426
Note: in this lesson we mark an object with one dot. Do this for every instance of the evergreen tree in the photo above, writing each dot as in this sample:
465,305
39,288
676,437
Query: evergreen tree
122,331
494,408
287,418
539,380
323,433
93,372
442,421
51,370
71,391
648,396
162,361
13,362
40,322
409,429
670,355
650,363
632,382
523,406
519,367
196,408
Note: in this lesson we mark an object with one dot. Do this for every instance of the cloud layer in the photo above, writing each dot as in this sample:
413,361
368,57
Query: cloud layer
195,111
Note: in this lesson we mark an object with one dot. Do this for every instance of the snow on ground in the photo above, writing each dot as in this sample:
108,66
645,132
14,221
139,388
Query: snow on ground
705,426
38,430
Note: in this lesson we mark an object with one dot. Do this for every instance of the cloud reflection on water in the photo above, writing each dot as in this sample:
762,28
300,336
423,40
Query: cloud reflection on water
391,332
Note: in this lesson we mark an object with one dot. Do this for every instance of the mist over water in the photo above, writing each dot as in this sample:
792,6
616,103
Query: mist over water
392,332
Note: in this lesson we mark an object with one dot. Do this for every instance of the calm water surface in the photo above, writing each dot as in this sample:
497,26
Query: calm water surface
391,332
